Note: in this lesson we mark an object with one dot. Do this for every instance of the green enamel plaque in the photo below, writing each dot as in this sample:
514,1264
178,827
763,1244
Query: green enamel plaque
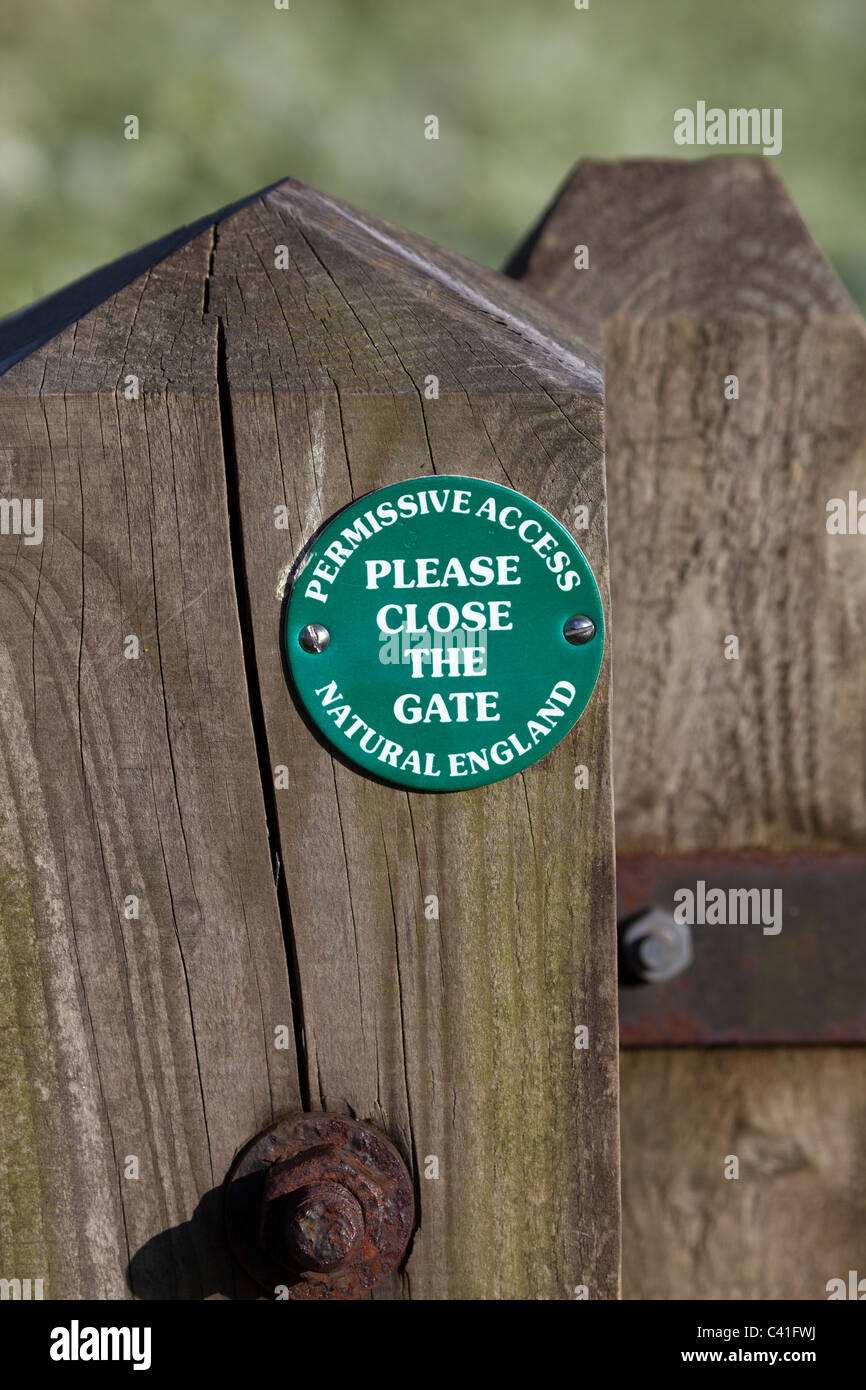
443,633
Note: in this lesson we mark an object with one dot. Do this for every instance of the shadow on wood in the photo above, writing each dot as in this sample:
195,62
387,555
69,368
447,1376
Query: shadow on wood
171,1263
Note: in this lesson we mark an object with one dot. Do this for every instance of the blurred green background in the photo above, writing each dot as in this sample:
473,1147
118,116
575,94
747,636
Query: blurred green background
234,94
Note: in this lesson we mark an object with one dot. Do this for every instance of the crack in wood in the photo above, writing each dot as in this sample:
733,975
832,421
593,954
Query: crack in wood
254,694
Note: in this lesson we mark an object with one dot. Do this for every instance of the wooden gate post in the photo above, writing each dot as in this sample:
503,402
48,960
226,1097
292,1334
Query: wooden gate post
212,921
734,365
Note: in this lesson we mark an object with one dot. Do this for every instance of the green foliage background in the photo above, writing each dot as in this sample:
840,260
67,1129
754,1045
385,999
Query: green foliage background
235,94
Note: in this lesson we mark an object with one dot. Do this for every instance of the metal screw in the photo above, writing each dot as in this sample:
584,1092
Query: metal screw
656,947
321,1205
579,629
314,637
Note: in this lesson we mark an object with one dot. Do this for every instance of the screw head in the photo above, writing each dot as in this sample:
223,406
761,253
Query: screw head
314,637
579,629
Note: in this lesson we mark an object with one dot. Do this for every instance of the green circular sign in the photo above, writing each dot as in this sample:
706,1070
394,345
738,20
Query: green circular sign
444,632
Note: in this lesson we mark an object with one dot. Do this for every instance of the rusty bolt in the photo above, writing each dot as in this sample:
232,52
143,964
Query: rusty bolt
319,1206
324,1228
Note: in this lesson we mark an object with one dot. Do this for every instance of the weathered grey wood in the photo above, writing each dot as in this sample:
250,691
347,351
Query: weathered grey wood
150,1037
29,328
717,527
455,1035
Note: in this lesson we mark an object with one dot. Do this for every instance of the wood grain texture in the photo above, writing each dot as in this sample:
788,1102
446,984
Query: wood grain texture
689,240
794,1218
151,1036
454,1035
717,507
717,519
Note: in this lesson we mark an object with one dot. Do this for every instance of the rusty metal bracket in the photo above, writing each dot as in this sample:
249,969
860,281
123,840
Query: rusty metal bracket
747,981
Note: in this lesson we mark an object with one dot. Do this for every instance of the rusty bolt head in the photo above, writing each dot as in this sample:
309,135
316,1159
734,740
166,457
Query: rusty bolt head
316,1206
320,1206
323,1229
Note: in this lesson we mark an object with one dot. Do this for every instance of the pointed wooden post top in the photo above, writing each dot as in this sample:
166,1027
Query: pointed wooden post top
306,937
316,290
682,239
